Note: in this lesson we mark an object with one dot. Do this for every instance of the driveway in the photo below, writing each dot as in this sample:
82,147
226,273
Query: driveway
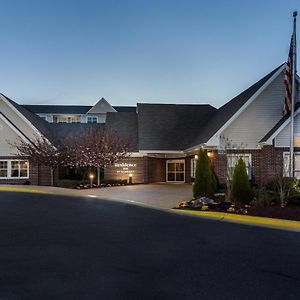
58,247
161,195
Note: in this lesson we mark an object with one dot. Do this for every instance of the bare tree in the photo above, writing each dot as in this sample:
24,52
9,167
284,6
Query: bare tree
40,152
226,147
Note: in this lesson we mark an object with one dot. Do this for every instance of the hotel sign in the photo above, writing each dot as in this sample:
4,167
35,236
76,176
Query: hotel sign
125,168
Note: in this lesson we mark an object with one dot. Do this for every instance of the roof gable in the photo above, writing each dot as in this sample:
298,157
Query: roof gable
230,110
101,107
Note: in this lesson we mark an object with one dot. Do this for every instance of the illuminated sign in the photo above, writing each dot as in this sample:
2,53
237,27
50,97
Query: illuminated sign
124,168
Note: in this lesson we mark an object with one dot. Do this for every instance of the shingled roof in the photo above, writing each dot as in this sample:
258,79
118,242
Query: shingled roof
70,109
170,126
225,112
126,127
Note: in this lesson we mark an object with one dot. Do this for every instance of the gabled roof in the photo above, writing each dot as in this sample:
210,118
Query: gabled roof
70,109
41,125
102,106
229,109
126,127
279,124
170,126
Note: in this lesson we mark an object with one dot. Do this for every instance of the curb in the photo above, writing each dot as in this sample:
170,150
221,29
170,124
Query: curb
23,190
262,221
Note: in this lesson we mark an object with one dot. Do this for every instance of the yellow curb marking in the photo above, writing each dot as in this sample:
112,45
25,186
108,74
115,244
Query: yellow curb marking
247,219
23,190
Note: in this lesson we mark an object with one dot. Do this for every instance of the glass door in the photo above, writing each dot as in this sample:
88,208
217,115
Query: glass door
175,171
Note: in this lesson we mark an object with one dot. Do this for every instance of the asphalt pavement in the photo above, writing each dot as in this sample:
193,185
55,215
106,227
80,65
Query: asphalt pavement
60,247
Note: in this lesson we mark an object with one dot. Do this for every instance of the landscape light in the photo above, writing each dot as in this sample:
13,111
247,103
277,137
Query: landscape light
91,179
130,179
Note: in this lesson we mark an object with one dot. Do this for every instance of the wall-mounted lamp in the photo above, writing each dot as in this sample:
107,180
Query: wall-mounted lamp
196,156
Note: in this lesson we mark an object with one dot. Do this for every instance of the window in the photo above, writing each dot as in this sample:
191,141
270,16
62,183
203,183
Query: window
92,119
3,169
232,160
14,169
193,167
175,170
66,119
286,164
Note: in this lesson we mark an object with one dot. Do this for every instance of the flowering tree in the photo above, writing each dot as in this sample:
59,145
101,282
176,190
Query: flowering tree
95,147
92,147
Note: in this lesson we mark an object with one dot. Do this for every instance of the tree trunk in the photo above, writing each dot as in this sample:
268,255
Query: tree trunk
52,176
98,176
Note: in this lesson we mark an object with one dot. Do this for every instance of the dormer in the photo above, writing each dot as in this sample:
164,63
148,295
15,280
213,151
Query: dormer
97,114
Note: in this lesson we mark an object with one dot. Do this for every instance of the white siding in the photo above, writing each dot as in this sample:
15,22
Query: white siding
259,117
17,120
283,138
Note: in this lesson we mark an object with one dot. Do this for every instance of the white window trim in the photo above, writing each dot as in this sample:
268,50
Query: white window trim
193,167
239,155
175,161
91,117
286,153
9,161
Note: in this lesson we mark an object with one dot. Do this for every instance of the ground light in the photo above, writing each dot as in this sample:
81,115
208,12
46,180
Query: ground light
130,179
91,176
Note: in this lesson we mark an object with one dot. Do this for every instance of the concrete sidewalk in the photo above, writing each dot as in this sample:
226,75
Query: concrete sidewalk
159,195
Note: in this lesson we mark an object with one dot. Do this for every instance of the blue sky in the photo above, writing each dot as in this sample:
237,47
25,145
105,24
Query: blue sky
75,52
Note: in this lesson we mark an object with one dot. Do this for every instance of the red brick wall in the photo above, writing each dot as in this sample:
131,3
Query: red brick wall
266,163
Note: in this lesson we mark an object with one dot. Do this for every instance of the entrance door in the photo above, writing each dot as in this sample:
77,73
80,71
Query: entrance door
175,170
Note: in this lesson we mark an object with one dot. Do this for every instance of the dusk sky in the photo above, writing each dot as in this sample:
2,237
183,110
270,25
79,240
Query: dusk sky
75,52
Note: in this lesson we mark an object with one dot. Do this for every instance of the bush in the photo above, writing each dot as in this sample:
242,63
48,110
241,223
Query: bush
114,181
70,183
240,191
203,184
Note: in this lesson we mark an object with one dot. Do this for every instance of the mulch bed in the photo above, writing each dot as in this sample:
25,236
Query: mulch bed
289,212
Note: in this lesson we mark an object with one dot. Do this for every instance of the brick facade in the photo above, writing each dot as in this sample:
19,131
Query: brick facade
266,163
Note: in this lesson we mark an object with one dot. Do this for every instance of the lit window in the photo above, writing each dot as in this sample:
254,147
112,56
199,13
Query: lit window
14,169
297,141
3,169
92,119
232,160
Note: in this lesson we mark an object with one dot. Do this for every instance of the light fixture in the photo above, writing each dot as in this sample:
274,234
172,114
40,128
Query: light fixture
91,179
130,179
196,156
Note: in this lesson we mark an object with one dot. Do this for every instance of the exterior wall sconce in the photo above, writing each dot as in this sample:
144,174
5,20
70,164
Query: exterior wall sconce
196,156
210,154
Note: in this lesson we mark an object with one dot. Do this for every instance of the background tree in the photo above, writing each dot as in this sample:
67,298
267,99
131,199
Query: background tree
203,184
240,191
